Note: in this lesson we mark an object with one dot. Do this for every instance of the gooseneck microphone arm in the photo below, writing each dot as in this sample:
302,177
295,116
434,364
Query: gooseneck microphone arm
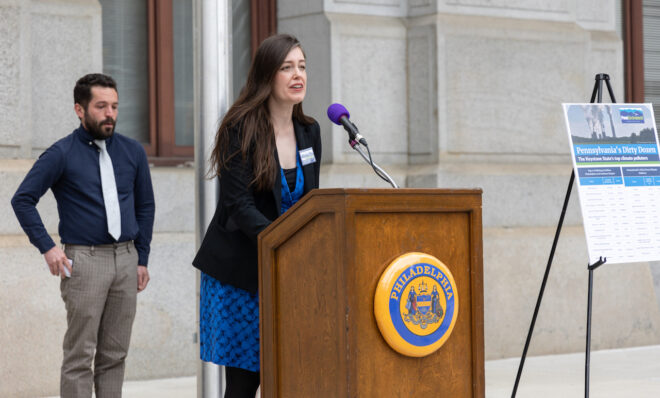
339,115
379,171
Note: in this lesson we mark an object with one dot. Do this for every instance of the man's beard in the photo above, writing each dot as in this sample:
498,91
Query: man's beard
98,130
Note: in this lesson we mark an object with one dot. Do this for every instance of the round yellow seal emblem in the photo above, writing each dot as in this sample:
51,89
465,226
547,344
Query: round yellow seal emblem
416,304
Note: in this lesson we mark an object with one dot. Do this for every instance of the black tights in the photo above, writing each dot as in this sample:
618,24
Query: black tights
241,383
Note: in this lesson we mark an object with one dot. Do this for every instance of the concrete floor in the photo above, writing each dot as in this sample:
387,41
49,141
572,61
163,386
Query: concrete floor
631,372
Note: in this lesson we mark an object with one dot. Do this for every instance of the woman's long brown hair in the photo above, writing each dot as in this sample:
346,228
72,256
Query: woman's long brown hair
250,114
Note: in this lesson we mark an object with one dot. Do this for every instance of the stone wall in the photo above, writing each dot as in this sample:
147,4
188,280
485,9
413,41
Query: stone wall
449,93
45,46
468,93
34,319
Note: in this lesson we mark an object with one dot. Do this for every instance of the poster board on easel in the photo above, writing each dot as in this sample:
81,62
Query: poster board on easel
615,156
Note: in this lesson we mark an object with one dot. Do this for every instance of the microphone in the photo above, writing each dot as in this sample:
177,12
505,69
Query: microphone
339,115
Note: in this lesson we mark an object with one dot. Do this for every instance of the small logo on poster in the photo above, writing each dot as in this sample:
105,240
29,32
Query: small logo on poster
631,115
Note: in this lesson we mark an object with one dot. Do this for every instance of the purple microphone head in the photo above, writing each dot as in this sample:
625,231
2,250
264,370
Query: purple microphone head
336,111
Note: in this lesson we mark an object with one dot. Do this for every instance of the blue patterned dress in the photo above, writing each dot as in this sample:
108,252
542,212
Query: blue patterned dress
229,316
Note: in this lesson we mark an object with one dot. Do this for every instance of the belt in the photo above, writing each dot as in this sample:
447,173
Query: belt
128,245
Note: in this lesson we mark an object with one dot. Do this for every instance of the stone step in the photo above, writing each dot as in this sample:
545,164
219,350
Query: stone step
163,331
174,192
625,308
514,195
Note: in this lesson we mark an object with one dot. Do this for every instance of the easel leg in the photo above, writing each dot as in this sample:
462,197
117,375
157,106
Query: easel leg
596,93
545,280
587,357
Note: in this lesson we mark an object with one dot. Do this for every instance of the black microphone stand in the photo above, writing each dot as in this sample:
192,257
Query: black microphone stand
597,92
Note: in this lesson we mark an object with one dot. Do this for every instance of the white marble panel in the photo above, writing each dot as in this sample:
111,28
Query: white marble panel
422,7
386,3
505,87
419,3
544,10
596,14
370,80
11,151
391,8
12,127
534,5
294,8
174,193
65,45
605,55
422,95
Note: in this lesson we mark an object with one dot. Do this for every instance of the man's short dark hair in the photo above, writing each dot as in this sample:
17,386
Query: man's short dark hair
82,93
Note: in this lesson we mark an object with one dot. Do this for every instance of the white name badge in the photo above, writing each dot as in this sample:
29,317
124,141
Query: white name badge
307,156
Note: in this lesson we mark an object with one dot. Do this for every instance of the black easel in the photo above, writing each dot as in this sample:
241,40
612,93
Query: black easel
596,94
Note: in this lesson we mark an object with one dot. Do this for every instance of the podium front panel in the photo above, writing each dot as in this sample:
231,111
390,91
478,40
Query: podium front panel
319,268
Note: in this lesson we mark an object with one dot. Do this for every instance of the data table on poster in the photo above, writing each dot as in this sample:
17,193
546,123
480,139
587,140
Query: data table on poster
618,176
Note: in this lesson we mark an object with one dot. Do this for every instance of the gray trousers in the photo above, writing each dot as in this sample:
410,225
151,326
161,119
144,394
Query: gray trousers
100,299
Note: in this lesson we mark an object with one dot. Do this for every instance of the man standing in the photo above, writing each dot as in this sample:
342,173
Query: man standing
105,202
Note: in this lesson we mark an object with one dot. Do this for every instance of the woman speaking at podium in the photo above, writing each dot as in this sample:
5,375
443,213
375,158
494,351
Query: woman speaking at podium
267,155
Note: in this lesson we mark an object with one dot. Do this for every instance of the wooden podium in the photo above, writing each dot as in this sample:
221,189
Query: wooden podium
319,265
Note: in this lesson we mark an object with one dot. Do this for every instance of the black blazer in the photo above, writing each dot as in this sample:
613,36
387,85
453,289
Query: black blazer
229,251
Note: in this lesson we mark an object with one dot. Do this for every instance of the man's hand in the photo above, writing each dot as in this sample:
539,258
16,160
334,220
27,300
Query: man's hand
57,261
143,277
